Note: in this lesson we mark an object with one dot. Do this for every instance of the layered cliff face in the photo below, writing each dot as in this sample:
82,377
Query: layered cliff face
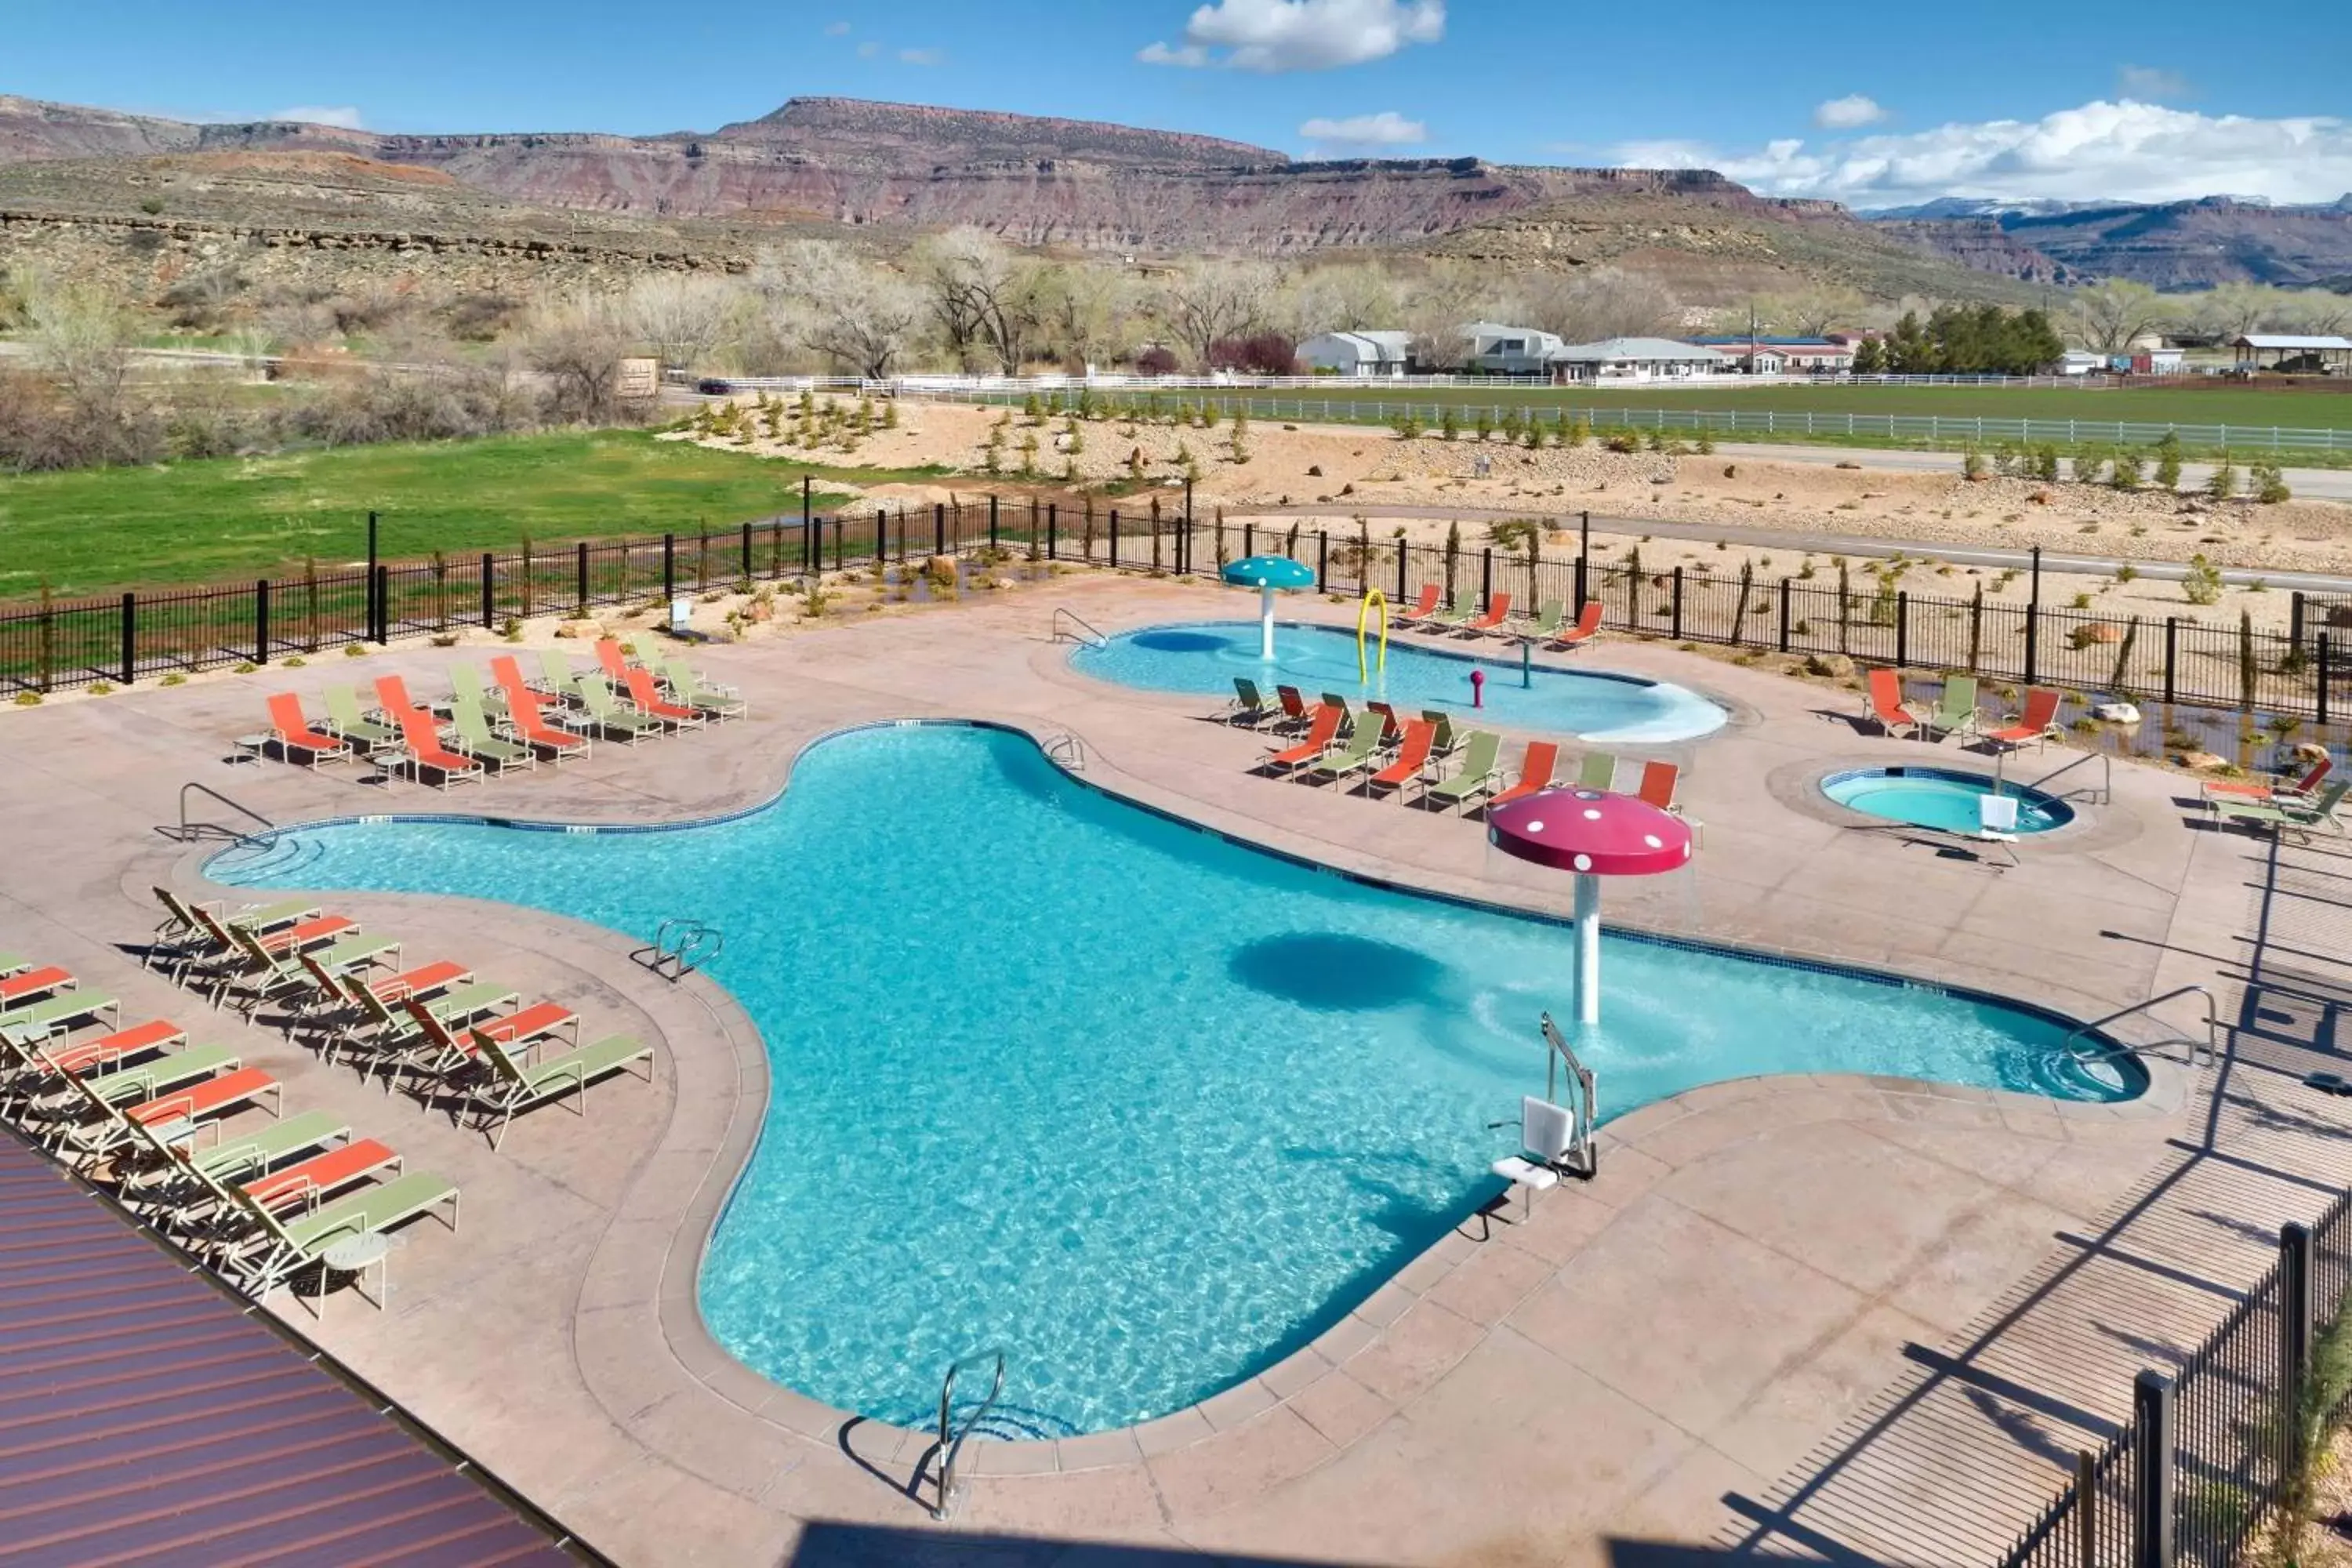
2178,245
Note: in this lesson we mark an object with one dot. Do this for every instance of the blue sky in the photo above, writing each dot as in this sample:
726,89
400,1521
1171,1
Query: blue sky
1870,103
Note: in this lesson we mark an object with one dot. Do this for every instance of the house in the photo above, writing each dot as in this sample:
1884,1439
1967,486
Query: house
2081,361
1637,359
1499,350
1787,356
1357,354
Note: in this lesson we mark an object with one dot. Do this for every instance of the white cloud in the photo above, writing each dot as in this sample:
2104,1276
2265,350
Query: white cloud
2146,82
343,115
837,29
922,56
1359,132
2125,150
1848,113
1300,35
869,50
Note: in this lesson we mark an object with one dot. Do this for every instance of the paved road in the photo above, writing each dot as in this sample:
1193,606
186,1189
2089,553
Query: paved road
2314,484
1837,543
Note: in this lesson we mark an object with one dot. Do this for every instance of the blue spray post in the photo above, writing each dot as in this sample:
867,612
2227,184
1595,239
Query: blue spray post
1527,663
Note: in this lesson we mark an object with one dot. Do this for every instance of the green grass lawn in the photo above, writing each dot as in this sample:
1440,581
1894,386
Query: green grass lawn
234,518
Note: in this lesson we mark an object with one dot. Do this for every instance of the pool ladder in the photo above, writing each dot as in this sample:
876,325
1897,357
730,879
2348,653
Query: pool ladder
1068,623
680,947
953,1432
2108,1050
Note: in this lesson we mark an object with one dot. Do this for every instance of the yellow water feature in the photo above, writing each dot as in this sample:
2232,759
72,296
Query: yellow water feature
1363,618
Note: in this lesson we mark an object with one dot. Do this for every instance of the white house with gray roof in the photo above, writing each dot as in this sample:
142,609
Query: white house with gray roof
1637,359
1357,354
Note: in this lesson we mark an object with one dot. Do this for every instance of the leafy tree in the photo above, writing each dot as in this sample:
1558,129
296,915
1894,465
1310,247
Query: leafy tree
2168,461
1869,357
2222,483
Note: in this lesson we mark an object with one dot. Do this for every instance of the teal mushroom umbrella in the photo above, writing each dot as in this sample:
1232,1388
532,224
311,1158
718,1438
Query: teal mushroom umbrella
1265,574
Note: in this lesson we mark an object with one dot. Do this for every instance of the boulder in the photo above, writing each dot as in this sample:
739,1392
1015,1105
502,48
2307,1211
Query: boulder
1830,664
587,631
2201,761
2101,631
2309,752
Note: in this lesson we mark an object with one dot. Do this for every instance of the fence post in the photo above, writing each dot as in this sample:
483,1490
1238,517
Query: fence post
939,528
1114,538
2295,1331
669,569
2033,621
261,620
2294,618
489,589
2086,1510
747,552
2152,1448
840,548
1580,596
579,577
130,637
1322,558
992,523
1902,628
1052,531
1784,614
1249,539
1485,576
1676,620
2171,643
382,591
2323,675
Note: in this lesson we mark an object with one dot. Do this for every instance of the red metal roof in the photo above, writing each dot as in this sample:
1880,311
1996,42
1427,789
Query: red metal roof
147,1416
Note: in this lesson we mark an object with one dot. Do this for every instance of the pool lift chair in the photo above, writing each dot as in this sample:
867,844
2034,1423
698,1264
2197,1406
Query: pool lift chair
1555,1139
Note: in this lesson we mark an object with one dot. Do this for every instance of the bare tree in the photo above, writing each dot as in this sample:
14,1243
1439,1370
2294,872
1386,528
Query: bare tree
1436,306
1085,312
682,316
80,335
1598,303
2319,311
2230,311
847,310
577,343
1212,301
1810,310
1343,298
2111,313
985,298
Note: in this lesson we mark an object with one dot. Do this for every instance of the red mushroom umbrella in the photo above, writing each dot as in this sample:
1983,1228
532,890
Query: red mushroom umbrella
1594,833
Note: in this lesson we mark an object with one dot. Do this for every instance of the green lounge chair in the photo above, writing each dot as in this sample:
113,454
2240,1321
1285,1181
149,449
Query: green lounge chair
475,740
1249,705
386,1030
1334,699
512,1085
169,1185
1449,739
466,686
1597,771
689,685
613,718
2319,818
1363,747
1956,710
555,676
38,1020
1460,612
347,720
263,974
1478,774
1551,615
14,964
274,1250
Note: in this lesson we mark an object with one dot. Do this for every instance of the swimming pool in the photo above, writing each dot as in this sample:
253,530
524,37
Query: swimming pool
1941,798
1204,656
1146,1108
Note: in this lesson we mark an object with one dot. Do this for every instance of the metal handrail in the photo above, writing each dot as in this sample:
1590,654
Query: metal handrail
1066,751
1085,633
951,1438
1558,1053
2101,796
188,831
2213,1029
698,943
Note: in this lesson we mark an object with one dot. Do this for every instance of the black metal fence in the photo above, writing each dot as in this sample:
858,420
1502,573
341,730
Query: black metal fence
1867,615
2209,1451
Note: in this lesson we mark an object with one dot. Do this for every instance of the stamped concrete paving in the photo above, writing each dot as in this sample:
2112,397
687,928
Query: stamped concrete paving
1835,1315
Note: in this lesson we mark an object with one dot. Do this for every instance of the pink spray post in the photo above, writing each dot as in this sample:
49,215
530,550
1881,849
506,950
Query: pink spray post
1477,689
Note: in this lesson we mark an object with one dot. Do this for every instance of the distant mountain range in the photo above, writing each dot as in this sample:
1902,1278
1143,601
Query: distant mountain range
127,193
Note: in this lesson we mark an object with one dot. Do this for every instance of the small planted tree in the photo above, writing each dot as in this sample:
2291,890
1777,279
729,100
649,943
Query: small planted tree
2222,482
1453,555
2269,482
2168,461
2128,468
2202,585
1449,424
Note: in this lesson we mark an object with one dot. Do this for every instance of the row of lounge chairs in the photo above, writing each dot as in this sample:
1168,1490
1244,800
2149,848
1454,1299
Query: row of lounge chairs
514,724
2308,806
1384,751
1463,618
1957,713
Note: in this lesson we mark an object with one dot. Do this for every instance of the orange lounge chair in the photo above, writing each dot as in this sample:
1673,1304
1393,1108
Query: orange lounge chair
425,751
1423,609
2302,790
1883,705
112,1049
1587,628
1392,728
526,712
648,700
445,1049
1295,713
392,697
321,1176
1412,756
1659,781
1535,774
2038,722
1320,733
33,983
229,1091
295,738
612,661
1497,612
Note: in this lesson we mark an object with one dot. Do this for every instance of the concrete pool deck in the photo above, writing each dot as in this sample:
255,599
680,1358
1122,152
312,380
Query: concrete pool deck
1832,1315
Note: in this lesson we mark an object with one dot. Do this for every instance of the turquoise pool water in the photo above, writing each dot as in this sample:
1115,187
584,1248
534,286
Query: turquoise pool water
1204,657
1145,1107
1939,797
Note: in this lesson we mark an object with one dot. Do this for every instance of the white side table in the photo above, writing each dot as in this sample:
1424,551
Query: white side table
355,1255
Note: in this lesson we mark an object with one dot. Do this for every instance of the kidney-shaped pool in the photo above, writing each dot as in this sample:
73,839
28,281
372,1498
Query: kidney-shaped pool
1146,1108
